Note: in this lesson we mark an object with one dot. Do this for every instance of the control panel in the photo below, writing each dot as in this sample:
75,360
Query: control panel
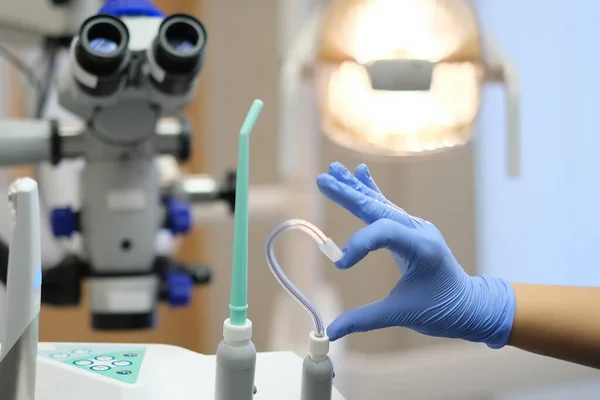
116,363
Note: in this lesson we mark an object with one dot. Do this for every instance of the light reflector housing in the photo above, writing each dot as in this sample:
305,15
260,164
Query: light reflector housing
356,33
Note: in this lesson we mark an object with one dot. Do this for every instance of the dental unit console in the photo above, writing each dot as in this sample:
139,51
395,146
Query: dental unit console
131,73
75,371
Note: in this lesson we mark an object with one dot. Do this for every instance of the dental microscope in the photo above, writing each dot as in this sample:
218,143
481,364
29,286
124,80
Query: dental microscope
131,73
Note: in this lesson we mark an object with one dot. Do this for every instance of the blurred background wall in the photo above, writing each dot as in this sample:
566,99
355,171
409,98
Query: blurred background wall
542,227
493,225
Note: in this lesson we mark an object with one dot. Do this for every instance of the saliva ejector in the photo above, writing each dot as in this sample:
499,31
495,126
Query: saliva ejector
317,368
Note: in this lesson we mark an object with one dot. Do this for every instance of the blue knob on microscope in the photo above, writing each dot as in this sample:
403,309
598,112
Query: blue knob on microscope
122,8
179,288
179,217
64,222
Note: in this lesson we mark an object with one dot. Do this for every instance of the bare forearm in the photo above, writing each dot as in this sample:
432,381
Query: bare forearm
558,321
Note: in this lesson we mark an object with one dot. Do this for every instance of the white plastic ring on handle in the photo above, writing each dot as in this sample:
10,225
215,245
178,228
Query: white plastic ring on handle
318,347
233,334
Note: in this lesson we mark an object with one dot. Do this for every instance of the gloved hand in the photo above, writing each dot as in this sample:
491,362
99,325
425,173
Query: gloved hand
435,296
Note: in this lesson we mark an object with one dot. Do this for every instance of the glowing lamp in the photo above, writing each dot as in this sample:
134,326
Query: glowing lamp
404,77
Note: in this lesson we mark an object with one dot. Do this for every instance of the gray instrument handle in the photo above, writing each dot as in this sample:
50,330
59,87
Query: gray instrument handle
236,367
317,379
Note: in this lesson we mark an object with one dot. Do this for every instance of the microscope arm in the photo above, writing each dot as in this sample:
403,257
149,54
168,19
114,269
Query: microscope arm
28,142
31,141
266,202
38,141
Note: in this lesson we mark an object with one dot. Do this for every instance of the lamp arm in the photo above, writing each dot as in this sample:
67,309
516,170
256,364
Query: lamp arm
500,69
303,46
299,151
511,81
295,60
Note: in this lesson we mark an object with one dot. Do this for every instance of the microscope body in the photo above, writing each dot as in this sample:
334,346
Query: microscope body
119,220
112,85
129,78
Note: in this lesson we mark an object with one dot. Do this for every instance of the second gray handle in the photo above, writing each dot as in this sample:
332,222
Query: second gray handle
317,379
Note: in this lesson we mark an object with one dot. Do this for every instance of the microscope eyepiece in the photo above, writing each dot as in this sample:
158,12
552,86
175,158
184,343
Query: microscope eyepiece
178,53
180,44
101,53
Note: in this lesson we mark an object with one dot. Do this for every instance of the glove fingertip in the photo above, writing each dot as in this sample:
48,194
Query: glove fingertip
322,178
325,182
364,175
346,262
335,331
332,335
336,166
341,173
363,169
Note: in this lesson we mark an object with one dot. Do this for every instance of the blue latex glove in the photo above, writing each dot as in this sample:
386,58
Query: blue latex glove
435,296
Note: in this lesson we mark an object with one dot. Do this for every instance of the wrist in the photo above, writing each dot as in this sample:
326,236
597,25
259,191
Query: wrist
496,306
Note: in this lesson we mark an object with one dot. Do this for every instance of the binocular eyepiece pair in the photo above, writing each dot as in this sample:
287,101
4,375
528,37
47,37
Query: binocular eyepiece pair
173,60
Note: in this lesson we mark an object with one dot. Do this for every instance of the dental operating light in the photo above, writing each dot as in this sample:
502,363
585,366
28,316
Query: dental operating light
401,78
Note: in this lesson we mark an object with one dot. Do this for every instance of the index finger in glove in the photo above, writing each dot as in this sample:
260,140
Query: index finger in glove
384,233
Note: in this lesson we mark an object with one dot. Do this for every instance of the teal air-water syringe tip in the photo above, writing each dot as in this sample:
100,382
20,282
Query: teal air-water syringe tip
238,305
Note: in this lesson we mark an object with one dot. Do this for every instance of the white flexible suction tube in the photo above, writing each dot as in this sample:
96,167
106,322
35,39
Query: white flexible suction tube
317,368
326,245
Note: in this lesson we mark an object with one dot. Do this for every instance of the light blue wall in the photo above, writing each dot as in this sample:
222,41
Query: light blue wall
544,227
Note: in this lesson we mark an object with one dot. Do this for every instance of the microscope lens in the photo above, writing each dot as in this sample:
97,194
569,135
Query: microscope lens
103,46
178,50
183,36
105,36
102,51
182,46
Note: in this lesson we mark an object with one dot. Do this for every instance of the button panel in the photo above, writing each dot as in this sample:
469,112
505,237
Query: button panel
121,364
